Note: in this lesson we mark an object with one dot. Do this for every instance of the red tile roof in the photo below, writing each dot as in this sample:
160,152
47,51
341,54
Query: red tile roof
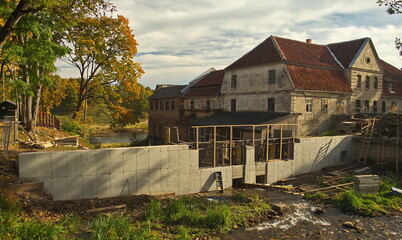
264,53
213,78
306,53
345,52
307,78
391,74
210,85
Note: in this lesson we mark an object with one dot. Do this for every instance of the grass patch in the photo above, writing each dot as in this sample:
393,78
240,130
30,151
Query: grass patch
369,204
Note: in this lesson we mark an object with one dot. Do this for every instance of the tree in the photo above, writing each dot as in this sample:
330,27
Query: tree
103,51
393,7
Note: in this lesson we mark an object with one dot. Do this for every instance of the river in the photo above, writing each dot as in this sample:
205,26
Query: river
117,137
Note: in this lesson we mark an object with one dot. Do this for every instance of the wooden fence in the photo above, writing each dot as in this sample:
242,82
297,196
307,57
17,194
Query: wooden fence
48,120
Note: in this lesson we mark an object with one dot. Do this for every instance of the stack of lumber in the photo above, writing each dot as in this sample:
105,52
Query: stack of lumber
367,183
68,141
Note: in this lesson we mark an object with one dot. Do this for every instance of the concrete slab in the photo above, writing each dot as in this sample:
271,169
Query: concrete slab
74,188
89,163
59,163
27,166
164,158
195,182
60,186
207,181
117,184
164,179
103,184
103,161
194,163
89,186
130,183
142,182
155,159
155,181
185,184
174,161
74,164
43,166
130,159
142,159
117,160
47,182
174,184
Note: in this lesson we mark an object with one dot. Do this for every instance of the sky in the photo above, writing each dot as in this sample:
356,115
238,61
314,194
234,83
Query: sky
180,39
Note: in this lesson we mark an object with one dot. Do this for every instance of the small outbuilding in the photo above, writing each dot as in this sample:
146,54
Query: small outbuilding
8,109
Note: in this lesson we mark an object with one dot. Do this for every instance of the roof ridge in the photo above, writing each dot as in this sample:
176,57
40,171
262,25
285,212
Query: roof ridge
347,41
298,41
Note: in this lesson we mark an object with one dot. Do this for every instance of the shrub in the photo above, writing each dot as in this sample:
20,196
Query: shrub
219,217
74,127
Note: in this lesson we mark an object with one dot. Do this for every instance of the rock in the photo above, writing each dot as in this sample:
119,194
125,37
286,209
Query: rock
271,213
349,225
278,209
319,211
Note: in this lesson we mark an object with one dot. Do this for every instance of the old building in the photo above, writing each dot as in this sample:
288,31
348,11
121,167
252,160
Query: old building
318,82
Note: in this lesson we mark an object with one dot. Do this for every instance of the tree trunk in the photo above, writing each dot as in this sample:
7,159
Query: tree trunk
31,125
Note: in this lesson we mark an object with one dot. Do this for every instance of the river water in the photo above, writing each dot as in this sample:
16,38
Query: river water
117,137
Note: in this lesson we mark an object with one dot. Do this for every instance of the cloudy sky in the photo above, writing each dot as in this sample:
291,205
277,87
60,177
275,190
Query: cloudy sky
180,39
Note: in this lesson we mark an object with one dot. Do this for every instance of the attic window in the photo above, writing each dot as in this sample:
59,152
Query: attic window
391,87
368,60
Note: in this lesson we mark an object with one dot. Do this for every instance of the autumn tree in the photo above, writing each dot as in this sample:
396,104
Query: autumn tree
103,50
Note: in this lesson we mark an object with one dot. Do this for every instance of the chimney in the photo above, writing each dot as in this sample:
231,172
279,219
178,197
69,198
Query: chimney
308,40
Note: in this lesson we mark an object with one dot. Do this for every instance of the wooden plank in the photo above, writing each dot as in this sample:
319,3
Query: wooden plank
215,146
331,187
230,146
106,208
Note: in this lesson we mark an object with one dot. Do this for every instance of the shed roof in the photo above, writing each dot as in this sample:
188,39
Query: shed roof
167,92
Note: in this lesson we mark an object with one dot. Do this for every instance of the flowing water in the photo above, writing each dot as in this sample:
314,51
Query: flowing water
117,137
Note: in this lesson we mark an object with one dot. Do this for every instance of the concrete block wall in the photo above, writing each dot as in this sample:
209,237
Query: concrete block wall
114,172
312,154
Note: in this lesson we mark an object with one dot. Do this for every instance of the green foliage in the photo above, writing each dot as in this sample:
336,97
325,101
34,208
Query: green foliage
317,196
334,132
74,127
153,210
219,217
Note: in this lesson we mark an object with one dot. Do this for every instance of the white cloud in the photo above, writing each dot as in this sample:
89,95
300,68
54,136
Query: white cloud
180,39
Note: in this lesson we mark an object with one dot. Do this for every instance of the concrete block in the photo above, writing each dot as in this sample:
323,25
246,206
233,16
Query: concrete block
59,164
164,158
43,165
59,187
207,181
155,181
74,188
26,165
174,161
130,183
117,160
185,185
194,160
74,164
103,161
89,163
142,182
47,182
89,186
164,180
155,158
130,160
185,163
174,184
117,184
142,159
195,182
103,184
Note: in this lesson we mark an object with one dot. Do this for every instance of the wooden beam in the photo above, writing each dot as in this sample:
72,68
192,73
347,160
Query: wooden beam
253,135
106,208
267,148
326,188
230,146
247,125
196,138
280,144
214,146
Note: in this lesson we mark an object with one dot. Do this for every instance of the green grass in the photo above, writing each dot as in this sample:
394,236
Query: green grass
369,204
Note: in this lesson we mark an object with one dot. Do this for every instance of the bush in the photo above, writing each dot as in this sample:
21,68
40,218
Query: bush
74,127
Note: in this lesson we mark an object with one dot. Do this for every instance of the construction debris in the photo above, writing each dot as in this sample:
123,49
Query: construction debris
327,188
367,183
102,209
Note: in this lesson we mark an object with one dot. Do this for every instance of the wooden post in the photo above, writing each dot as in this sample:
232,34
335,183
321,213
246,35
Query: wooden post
253,135
230,145
280,144
214,146
196,137
397,149
267,148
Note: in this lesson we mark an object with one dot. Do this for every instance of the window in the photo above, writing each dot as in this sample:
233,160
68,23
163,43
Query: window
309,105
357,106
192,105
324,106
366,106
375,83
167,105
271,104
234,81
391,87
156,105
359,81
161,105
394,107
233,105
383,107
172,105
151,105
207,105
272,76
375,106
367,82
368,60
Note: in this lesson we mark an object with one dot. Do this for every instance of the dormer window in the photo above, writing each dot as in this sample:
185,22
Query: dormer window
391,87
368,60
